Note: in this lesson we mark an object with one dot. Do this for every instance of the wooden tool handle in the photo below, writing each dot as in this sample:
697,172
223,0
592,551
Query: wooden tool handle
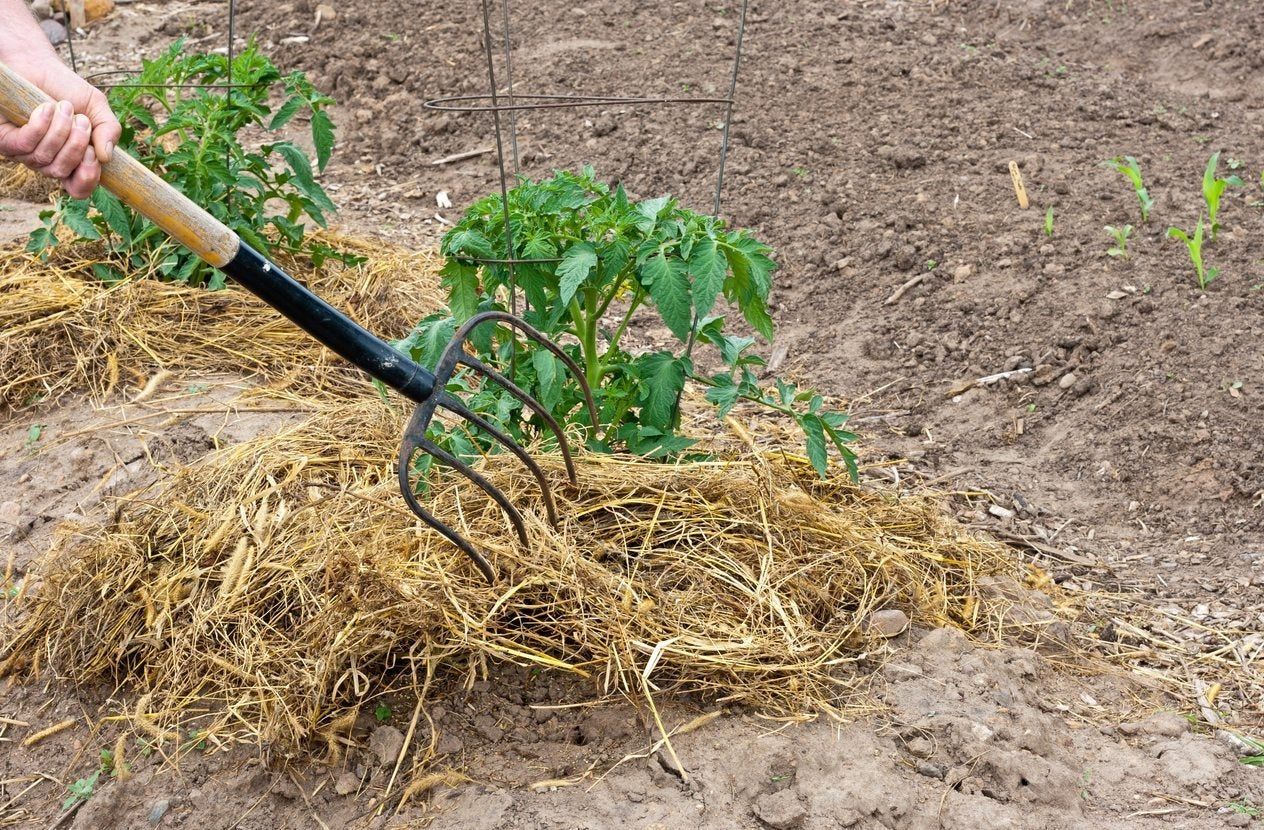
135,184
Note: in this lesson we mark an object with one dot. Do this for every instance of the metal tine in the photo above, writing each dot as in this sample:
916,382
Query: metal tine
531,403
451,356
407,450
456,407
406,488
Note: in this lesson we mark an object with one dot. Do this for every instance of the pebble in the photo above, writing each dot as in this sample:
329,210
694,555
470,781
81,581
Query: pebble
159,810
385,743
1067,381
780,810
54,31
346,784
889,622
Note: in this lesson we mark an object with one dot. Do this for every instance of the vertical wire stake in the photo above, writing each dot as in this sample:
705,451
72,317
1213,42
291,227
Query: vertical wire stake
728,112
500,166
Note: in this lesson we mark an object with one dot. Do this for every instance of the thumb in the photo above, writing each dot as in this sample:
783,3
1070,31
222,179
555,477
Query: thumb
106,129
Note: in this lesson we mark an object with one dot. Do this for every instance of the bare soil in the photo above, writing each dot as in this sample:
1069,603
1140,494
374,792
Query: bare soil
871,145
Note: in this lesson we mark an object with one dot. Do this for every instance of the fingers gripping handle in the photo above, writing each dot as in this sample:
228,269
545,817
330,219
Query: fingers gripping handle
137,186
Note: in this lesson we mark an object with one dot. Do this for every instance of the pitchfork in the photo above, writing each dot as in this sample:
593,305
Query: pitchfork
210,239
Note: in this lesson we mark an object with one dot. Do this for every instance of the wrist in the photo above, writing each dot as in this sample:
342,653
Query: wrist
21,38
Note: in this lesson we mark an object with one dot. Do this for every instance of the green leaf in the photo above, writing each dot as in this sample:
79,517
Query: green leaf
116,216
75,217
461,281
426,342
647,213
669,287
709,268
662,377
724,394
285,112
818,453
577,263
468,242
322,137
547,378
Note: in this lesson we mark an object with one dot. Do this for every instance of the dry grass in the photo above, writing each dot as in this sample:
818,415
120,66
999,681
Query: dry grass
20,182
273,589
62,330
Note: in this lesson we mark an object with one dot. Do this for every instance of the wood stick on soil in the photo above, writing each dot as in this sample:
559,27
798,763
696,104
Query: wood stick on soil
468,154
1019,190
903,289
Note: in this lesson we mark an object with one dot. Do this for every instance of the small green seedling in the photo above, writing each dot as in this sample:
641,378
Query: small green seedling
1049,222
33,434
1120,235
382,713
1194,244
1128,167
1213,190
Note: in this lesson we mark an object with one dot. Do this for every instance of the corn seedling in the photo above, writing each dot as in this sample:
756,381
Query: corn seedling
1120,235
1214,188
1194,245
1049,222
1128,167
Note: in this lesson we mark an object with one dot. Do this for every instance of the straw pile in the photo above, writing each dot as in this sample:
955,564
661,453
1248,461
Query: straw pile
278,586
61,329
18,181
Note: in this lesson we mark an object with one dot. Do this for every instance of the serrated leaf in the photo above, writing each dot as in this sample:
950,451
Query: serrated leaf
285,112
75,217
724,394
662,377
577,263
547,378
426,342
669,287
116,216
818,452
461,281
646,214
709,268
322,137
470,243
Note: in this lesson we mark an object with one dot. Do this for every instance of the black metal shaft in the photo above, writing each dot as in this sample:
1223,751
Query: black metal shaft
327,324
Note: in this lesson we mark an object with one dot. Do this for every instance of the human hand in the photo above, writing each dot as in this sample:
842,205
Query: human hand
69,139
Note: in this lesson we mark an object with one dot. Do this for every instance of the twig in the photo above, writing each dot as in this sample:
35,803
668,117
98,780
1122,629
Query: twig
903,289
468,154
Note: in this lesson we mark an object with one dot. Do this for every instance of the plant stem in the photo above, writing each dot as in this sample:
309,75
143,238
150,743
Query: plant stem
637,299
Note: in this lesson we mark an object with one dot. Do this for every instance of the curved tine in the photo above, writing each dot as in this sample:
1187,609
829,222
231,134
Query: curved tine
529,402
536,335
486,486
406,489
455,406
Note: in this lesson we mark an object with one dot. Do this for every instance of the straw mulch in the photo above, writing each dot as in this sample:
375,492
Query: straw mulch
278,586
63,330
18,181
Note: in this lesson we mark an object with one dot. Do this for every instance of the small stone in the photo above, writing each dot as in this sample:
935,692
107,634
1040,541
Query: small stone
890,622
42,9
1067,381
325,12
962,272
346,784
450,745
158,810
920,748
780,810
385,743
1165,724
54,31
930,770
1239,820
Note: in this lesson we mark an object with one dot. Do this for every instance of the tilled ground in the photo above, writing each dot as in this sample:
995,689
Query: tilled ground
871,146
